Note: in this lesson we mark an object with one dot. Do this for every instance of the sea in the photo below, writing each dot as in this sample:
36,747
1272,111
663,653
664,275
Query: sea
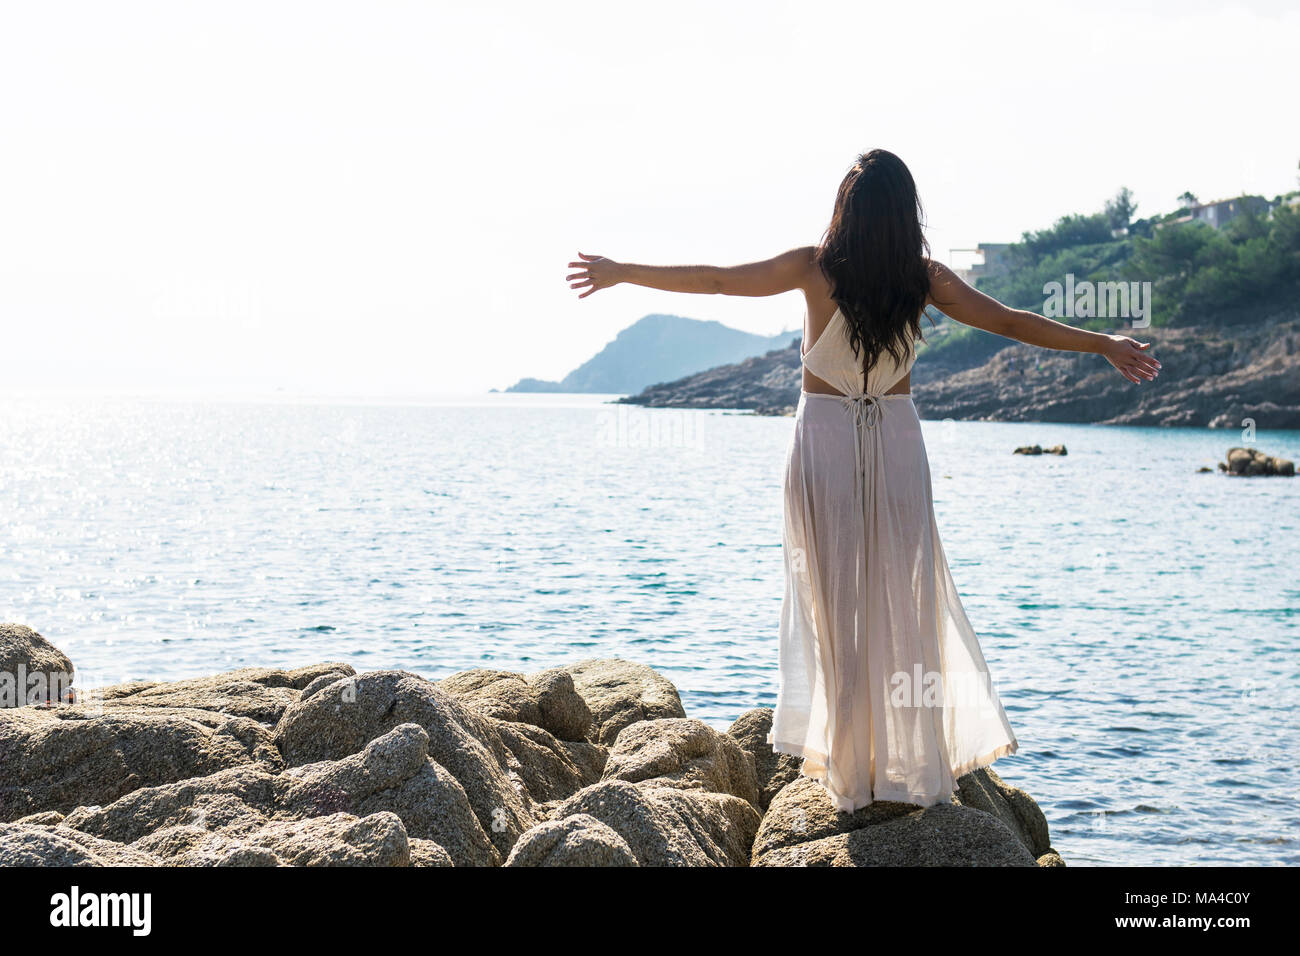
1141,619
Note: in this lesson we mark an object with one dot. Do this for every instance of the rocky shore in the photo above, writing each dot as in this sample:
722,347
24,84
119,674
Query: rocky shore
1212,376
591,764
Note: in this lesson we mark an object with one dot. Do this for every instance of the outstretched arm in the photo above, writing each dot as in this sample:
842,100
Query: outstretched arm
957,300
790,270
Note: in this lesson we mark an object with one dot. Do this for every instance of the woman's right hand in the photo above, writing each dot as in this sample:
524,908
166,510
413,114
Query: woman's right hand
597,273
1131,358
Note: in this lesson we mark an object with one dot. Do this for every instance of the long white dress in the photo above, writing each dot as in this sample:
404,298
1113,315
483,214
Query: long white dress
884,691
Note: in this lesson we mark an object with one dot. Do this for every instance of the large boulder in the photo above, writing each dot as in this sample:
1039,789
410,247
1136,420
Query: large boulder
984,790
237,800
340,718
394,774
339,839
619,693
32,670
802,827
547,768
547,700
260,693
578,840
773,770
802,812
58,759
26,844
681,752
945,834
669,826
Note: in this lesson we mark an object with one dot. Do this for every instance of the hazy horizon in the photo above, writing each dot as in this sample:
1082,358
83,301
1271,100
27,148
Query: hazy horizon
382,200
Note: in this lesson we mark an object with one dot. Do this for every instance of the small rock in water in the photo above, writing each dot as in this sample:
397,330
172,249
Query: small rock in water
1040,450
1249,462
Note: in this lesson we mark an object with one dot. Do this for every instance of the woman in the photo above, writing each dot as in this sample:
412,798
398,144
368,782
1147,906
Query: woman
884,691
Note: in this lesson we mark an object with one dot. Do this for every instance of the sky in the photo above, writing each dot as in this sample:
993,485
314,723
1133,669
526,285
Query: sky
381,198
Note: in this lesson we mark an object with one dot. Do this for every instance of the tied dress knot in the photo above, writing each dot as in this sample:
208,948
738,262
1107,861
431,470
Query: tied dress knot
864,408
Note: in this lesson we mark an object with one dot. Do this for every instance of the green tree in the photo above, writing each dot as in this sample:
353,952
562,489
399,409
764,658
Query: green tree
1119,211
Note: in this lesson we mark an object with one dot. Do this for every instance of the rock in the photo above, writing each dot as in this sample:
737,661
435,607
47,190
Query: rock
547,700
589,758
250,856
1252,461
942,835
387,768
324,680
238,800
69,757
668,826
681,752
342,717
260,693
801,812
983,789
773,770
548,769
47,818
26,844
577,840
339,839
1204,469
394,774
32,670
802,827
428,853
1028,450
1056,450
767,383
619,693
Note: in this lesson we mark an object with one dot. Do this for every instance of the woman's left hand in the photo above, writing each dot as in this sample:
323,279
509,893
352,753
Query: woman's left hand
1132,359
597,273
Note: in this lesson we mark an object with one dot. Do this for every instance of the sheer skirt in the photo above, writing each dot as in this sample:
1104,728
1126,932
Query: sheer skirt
884,691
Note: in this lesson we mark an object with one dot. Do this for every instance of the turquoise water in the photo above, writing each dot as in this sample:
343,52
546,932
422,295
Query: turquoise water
1141,620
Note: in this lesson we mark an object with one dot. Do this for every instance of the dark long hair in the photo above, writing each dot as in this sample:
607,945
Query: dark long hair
876,257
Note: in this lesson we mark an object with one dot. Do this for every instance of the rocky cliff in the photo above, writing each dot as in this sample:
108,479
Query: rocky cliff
593,764
1212,376
656,348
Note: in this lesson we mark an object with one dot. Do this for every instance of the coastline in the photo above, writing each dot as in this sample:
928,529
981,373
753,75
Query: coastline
1215,377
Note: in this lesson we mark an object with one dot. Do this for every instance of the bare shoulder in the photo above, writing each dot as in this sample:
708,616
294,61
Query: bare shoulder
800,264
945,284
940,273
814,282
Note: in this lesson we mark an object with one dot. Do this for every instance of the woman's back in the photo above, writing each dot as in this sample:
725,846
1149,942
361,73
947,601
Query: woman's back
829,365
830,360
